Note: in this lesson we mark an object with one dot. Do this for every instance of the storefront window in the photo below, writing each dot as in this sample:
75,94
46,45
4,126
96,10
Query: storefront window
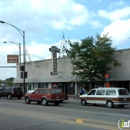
29,87
42,85
71,88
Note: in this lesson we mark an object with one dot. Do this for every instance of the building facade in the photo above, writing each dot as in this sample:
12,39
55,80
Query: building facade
39,74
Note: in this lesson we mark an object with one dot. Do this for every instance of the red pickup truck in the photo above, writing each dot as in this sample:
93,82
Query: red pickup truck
45,95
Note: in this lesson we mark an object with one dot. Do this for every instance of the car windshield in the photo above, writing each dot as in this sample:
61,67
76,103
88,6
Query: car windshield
56,91
123,92
92,92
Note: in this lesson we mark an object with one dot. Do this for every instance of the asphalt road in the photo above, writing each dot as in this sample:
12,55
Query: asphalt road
70,115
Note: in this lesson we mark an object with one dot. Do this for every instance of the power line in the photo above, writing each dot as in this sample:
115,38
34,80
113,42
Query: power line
8,66
37,56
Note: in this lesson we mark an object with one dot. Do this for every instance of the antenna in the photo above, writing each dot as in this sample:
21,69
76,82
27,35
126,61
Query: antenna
63,47
27,54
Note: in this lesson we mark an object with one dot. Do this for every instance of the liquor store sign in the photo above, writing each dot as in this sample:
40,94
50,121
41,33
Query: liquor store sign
54,51
12,58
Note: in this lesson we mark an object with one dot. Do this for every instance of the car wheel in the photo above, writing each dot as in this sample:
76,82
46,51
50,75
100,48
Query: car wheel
44,102
121,106
27,100
110,104
83,102
56,103
9,96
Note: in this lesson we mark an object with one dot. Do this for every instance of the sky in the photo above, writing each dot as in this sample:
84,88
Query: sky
45,22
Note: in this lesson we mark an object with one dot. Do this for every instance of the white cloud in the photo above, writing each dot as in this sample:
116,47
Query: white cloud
96,24
116,14
38,51
119,30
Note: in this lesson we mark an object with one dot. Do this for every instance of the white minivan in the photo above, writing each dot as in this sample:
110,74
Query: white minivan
107,96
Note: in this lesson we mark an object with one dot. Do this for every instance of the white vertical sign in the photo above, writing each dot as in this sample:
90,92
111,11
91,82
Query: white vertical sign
54,51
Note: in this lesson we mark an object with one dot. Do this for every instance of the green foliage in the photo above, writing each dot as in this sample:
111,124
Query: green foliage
92,58
7,82
0,81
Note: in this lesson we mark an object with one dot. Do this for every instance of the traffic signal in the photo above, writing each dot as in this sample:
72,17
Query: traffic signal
22,68
25,74
21,74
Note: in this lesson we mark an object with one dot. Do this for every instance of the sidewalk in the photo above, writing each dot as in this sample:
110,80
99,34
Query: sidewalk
73,98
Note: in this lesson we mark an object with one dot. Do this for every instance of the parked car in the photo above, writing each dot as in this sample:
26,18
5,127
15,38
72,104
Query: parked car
44,96
107,96
31,91
66,97
1,88
10,92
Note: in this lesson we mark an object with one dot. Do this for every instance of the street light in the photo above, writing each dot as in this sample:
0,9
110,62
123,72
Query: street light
19,46
23,36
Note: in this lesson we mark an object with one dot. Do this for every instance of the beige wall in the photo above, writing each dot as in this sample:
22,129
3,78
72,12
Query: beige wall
121,73
39,71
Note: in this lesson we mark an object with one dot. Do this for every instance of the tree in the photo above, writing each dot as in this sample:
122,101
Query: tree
92,58
9,81
1,82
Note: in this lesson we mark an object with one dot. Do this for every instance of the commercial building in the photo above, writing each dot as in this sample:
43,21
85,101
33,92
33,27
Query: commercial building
39,74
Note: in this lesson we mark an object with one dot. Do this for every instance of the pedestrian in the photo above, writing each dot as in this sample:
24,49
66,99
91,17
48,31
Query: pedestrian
81,91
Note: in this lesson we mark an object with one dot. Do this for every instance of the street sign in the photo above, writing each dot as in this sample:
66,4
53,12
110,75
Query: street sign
12,58
54,51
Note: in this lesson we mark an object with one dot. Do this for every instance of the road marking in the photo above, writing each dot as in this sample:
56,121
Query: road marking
79,121
90,125
99,121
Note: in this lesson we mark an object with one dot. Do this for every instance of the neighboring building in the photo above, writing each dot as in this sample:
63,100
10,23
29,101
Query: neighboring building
120,76
39,74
